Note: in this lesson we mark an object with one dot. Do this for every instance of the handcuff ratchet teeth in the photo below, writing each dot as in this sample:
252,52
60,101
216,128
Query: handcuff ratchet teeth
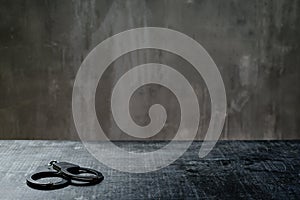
69,173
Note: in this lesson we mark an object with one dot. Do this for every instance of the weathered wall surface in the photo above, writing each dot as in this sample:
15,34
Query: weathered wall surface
255,44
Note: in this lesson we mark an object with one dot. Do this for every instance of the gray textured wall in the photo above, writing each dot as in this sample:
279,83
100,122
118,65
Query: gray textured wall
255,44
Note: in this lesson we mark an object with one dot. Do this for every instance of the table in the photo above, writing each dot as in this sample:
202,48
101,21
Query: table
234,169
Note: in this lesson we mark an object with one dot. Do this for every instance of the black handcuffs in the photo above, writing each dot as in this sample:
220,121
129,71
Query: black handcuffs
68,172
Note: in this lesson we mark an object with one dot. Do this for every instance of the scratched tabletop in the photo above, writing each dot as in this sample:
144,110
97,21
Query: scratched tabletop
232,170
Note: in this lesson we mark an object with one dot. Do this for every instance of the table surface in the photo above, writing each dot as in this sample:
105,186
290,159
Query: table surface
234,169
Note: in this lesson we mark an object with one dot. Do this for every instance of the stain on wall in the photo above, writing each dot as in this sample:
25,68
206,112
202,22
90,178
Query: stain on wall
255,44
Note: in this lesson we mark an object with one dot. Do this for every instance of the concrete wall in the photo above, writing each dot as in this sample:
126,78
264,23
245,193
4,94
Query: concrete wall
255,44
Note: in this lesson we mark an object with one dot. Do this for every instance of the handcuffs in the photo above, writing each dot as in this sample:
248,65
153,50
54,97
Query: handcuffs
68,172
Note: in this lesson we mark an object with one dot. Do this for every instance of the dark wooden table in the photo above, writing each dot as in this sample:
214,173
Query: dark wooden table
234,169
